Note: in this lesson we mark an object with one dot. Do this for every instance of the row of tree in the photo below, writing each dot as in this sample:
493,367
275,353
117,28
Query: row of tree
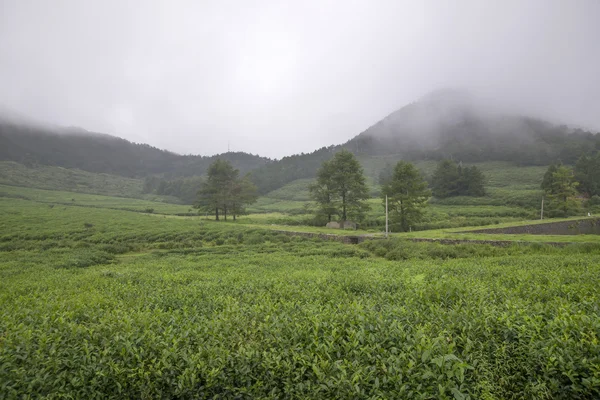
341,191
451,179
448,180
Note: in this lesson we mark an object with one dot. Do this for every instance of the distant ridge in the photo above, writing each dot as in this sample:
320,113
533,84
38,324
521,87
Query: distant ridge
447,123
30,144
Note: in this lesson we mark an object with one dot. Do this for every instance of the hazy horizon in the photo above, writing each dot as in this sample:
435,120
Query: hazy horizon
279,79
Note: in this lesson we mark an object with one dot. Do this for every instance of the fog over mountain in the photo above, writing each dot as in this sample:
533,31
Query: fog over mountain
279,78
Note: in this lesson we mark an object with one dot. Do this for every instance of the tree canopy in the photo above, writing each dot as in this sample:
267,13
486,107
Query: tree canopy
560,187
225,191
587,173
451,179
341,188
407,195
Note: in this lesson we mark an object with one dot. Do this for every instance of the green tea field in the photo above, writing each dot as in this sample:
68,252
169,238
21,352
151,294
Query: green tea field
98,300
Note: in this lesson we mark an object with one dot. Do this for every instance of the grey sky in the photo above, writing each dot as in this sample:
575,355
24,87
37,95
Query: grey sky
283,77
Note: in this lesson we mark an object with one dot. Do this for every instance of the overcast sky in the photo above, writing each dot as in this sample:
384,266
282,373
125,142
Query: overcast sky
282,77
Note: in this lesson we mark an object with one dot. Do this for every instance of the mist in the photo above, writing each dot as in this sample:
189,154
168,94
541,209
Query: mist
276,78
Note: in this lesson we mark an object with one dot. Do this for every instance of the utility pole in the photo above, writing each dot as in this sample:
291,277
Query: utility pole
386,217
542,212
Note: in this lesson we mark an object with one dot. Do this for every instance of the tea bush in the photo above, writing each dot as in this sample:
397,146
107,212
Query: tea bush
145,307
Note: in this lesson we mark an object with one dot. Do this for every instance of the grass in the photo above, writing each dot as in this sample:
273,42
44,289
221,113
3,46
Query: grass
72,180
513,194
53,197
108,303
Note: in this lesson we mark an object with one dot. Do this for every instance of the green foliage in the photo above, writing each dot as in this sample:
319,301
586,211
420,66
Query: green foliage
341,188
407,195
323,191
86,258
468,137
185,189
548,181
298,190
471,182
73,180
587,173
92,201
386,174
278,173
137,306
94,152
561,188
451,179
224,191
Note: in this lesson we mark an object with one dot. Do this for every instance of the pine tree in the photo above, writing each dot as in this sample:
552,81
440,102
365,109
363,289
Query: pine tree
587,173
341,187
446,179
451,179
562,192
549,177
322,192
224,191
407,195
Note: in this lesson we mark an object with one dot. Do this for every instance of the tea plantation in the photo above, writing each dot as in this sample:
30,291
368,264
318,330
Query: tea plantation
106,303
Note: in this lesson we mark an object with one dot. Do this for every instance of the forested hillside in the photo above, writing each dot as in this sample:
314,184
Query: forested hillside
94,152
447,124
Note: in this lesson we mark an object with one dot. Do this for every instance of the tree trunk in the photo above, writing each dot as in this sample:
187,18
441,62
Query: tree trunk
403,217
217,213
344,207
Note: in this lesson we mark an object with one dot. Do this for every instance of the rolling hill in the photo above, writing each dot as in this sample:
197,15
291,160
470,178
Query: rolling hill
34,144
443,124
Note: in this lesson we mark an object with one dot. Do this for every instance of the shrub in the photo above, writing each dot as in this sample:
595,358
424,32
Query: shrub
86,259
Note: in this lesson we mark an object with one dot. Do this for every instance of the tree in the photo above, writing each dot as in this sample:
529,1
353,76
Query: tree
587,173
407,194
341,187
471,182
349,185
243,192
223,190
549,177
452,179
561,188
445,179
322,192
